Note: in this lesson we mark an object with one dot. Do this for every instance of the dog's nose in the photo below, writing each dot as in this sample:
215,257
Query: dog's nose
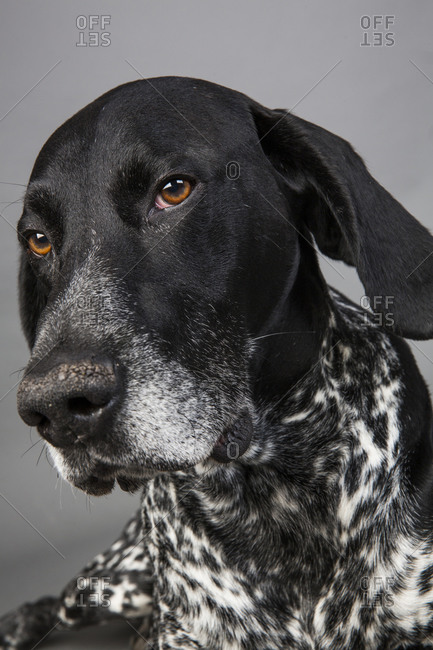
69,401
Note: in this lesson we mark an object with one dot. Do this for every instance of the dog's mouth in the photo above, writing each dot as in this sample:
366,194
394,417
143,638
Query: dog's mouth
101,478
96,485
99,484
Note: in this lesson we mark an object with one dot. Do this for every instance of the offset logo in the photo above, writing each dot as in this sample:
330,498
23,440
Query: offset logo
377,591
93,310
377,31
92,31
92,591
381,310
233,170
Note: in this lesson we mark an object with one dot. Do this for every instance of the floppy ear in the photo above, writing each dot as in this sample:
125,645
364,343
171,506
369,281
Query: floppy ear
354,219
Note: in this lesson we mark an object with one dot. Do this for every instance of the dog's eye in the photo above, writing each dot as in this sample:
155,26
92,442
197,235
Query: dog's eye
39,244
174,192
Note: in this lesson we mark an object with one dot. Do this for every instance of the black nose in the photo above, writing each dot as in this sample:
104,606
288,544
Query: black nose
69,401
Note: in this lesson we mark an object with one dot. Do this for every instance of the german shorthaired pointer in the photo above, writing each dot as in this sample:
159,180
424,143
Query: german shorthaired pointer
184,342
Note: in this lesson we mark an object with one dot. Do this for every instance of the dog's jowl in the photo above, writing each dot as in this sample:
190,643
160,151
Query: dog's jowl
184,342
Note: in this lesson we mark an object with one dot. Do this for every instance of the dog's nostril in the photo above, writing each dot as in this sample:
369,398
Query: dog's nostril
34,419
82,406
43,423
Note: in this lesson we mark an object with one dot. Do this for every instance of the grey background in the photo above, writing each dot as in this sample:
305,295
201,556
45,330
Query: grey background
302,54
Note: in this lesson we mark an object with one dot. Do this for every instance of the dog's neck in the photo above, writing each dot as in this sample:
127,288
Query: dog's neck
289,470
291,480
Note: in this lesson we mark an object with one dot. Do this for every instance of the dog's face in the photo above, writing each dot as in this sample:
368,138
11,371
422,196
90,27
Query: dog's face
138,247
163,232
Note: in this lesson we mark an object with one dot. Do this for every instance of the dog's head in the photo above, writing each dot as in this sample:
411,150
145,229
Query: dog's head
167,231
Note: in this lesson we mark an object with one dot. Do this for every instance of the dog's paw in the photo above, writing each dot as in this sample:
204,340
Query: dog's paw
23,628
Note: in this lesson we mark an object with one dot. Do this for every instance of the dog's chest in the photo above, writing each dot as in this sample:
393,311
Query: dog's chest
201,601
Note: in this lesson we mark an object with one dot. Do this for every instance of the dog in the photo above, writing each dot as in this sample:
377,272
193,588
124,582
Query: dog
184,342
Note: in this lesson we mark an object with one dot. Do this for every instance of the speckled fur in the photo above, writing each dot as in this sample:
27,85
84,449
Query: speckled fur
321,500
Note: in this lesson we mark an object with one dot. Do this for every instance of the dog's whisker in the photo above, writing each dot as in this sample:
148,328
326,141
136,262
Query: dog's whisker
31,447
48,457
7,204
44,449
265,336
17,372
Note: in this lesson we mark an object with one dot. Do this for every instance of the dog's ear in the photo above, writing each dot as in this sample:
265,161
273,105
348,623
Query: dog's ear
354,219
32,299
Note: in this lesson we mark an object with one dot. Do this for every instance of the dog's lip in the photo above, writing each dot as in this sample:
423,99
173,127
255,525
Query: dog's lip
95,485
102,475
102,479
128,485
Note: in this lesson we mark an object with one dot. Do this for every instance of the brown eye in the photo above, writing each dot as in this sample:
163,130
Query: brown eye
174,192
39,244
